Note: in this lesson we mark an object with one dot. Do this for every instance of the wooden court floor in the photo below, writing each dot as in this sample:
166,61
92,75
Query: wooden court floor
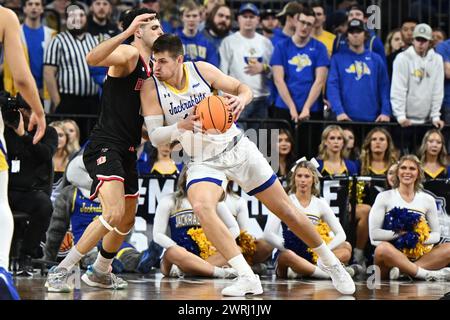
156,287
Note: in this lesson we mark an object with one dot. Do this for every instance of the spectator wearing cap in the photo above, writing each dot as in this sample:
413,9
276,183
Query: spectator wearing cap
358,85
417,88
288,18
327,38
98,22
218,24
444,50
269,23
245,55
372,42
300,67
156,6
196,46
407,31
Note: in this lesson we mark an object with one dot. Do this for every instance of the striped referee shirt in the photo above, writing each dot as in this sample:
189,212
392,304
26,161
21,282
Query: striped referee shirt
69,55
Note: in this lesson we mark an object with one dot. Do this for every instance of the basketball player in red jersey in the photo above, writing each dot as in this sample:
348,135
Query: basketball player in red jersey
110,156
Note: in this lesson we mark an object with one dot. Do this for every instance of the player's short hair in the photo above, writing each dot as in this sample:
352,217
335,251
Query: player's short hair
132,14
169,43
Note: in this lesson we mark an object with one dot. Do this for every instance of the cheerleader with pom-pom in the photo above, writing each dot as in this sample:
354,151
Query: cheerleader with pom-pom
294,257
404,227
179,232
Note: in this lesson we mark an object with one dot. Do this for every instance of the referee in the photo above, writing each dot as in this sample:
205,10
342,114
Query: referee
68,77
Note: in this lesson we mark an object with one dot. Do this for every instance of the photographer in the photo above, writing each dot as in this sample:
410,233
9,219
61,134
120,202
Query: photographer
30,180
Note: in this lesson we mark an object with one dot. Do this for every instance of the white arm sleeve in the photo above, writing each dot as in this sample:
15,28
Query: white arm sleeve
329,217
272,232
376,219
433,222
161,223
158,133
226,216
242,216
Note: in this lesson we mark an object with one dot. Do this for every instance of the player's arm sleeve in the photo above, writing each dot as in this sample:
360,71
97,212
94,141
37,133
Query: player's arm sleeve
329,217
154,116
376,218
161,222
226,216
433,222
158,133
272,232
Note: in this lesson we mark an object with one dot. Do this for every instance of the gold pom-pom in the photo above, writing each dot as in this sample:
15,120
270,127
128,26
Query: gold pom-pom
360,186
205,246
324,231
248,245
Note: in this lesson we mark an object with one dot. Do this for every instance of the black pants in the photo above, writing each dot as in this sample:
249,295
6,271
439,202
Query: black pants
307,134
39,206
90,105
408,139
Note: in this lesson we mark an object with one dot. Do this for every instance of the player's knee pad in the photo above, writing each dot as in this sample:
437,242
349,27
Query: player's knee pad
105,223
122,233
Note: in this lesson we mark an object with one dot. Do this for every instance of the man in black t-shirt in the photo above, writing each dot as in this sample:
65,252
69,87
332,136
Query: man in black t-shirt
110,156
99,23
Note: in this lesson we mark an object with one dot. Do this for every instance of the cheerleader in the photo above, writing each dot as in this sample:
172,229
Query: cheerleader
433,155
378,153
255,251
404,227
294,258
178,231
332,153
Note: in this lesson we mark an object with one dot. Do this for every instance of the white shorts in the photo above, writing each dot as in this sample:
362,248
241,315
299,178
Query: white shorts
244,164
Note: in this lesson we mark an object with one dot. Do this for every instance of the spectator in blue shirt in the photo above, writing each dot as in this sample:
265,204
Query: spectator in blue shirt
358,84
218,25
287,17
196,46
372,43
444,50
300,68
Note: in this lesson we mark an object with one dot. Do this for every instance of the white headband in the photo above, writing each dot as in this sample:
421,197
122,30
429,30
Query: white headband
313,161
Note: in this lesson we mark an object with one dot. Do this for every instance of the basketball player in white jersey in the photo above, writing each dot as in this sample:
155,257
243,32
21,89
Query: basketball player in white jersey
23,79
167,103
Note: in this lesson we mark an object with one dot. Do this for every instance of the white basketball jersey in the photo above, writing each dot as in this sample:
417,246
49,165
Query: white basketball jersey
178,104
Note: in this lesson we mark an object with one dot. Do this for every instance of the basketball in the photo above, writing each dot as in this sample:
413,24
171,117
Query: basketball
214,114
66,244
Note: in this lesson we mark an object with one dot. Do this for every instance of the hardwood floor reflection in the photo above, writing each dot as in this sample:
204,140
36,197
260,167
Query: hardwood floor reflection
157,287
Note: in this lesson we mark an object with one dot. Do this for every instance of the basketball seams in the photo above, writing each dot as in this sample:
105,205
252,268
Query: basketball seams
224,115
210,114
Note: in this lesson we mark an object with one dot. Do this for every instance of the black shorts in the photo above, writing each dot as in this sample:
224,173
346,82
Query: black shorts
106,162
